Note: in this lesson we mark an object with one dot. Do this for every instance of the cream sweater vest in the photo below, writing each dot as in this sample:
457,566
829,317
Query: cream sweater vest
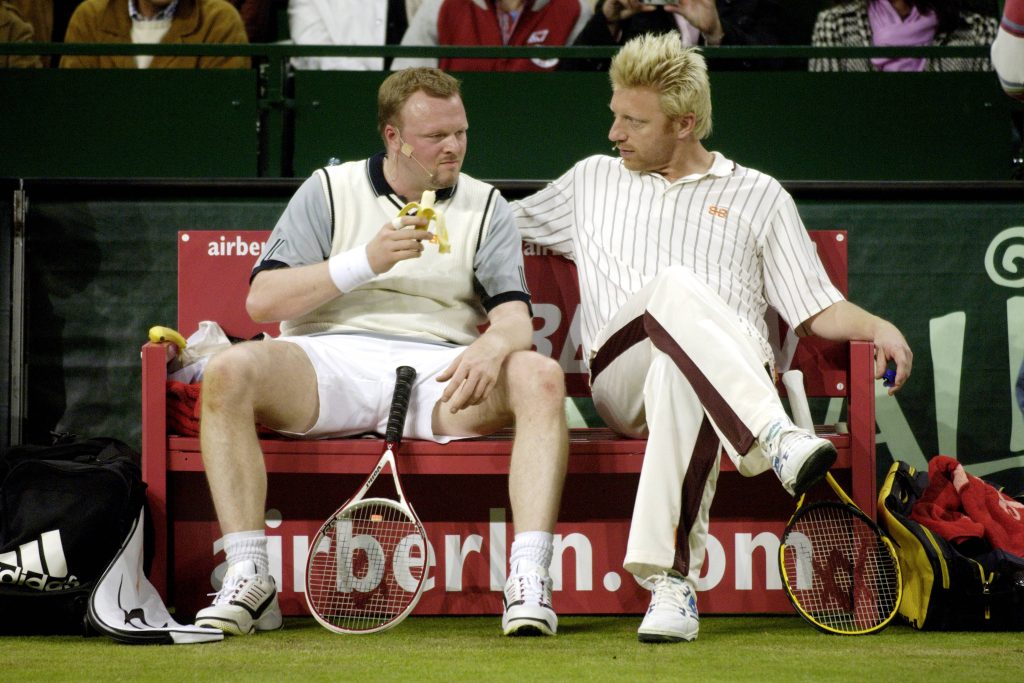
430,298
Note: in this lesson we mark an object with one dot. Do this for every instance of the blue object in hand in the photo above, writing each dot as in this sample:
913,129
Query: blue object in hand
889,378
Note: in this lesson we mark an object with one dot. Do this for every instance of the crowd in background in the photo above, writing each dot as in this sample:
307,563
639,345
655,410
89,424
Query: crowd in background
529,23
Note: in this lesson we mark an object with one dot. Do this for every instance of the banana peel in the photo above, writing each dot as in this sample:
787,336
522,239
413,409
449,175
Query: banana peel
424,208
159,333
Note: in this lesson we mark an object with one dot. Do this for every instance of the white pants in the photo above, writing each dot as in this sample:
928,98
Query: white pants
355,377
680,367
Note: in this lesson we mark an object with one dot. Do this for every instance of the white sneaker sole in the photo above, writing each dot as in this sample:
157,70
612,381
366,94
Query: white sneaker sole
524,621
664,636
243,624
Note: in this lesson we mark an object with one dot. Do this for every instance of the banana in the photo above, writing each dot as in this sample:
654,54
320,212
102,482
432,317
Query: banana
158,333
424,208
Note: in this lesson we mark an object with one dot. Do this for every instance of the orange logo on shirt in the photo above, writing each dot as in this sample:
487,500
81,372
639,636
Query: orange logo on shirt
718,211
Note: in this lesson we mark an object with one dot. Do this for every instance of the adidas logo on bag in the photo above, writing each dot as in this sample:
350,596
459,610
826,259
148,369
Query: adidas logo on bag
38,564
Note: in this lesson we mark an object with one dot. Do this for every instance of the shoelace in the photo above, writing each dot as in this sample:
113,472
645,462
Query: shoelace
529,588
227,590
790,442
670,594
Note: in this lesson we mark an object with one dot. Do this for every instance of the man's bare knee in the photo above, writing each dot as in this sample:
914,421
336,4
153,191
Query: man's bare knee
535,380
230,377
273,380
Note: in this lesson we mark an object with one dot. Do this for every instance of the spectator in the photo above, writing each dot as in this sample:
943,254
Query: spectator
866,23
348,22
357,295
679,252
49,19
39,14
258,18
14,29
155,21
1008,59
527,23
698,22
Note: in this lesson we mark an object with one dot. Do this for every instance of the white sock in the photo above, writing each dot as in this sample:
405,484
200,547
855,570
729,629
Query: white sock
248,545
535,547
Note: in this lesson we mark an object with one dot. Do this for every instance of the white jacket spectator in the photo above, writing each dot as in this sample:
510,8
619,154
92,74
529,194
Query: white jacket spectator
347,22
1008,49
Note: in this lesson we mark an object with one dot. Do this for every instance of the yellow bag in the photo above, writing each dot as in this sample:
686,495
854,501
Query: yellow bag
943,589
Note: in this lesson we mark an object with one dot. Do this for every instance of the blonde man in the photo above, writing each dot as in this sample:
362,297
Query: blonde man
680,251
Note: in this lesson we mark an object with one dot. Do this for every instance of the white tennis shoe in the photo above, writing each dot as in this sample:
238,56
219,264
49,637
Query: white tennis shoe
245,603
672,616
800,459
527,603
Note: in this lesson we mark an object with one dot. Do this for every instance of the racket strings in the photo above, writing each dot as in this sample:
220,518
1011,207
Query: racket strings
366,569
839,570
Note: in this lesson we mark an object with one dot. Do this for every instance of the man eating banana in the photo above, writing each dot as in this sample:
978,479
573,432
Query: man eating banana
352,274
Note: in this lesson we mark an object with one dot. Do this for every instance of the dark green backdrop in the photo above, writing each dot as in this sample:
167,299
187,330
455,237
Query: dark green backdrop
794,125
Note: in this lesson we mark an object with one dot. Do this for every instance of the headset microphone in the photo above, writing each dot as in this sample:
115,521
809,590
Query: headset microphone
407,150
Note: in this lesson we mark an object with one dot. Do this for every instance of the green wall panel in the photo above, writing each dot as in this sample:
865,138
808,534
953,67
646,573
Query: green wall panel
204,123
100,273
794,125
950,275
123,123
848,126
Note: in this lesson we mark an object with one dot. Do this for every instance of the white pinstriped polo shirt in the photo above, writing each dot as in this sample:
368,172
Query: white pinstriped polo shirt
735,227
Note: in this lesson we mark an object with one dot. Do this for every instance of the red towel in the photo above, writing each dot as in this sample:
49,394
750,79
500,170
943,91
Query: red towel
958,506
184,407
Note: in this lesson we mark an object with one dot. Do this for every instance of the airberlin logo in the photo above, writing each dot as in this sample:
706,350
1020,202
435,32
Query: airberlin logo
234,247
38,564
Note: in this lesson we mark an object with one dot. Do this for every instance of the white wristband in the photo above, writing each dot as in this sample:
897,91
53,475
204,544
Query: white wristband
351,268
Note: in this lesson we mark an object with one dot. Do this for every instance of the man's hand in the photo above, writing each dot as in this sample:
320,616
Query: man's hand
617,10
891,346
703,15
845,321
391,244
472,375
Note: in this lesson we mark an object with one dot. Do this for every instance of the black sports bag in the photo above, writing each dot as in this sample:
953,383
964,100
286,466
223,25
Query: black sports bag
65,510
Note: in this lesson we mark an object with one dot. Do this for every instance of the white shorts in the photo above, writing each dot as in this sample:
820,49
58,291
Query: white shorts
356,379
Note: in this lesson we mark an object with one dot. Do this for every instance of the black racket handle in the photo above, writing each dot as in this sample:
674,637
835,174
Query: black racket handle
405,376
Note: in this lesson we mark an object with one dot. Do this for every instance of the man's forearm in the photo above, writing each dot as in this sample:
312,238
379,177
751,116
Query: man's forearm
843,321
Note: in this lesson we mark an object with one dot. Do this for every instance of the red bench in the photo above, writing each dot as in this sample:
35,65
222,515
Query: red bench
459,489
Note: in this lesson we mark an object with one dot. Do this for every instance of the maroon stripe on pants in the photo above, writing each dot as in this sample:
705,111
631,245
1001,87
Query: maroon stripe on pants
625,337
705,450
707,446
728,422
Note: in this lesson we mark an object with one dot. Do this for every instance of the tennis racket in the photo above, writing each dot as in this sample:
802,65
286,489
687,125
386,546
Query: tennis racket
366,565
839,569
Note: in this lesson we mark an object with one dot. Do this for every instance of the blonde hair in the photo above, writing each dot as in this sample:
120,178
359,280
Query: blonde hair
678,74
401,85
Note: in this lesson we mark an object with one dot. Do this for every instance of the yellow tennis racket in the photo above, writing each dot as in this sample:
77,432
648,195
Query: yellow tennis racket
839,569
